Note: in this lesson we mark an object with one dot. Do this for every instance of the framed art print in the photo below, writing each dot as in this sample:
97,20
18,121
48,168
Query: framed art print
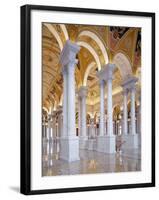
87,99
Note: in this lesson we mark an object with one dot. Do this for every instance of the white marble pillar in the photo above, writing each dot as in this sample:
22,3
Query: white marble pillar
105,124
109,107
91,140
82,117
130,141
71,100
92,128
82,110
44,132
125,113
106,143
69,142
133,123
49,129
65,90
60,122
139,119
54,126
102,109
111,141
139,124
98,122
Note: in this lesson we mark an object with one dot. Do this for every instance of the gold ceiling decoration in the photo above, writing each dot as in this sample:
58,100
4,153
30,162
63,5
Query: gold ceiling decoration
99,45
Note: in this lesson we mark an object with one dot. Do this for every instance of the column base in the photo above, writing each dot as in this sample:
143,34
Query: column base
106,144
129,141
83,142
91,144
69,149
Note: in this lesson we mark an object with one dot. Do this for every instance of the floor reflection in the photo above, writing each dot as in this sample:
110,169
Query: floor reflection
90,161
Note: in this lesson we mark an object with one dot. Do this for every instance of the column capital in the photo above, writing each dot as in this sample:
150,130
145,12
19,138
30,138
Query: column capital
110,70
102,82
59,109
54,114
106,73
68,54
129,83
82,92
132,89
125,91
91,119
49,117
43,117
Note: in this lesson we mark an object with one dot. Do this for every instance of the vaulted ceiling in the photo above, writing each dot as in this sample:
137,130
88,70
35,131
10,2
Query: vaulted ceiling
99,45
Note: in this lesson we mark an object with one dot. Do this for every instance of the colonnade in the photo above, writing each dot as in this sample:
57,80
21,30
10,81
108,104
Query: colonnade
82,117
106,141
131,139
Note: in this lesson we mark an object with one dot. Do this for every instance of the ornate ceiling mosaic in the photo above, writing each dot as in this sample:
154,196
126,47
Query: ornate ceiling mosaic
98,46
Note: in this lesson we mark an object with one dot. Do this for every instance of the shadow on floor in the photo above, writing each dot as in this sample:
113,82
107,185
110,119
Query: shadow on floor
15,189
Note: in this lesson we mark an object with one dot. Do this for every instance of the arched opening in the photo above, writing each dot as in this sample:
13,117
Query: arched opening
98,41
90,66
52,29
129,115
92,51
117,120
123,64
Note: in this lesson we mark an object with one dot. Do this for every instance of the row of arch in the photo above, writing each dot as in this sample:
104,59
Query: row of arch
121,60
117,112
95,120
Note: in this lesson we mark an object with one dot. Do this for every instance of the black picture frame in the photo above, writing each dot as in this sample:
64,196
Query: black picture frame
25,149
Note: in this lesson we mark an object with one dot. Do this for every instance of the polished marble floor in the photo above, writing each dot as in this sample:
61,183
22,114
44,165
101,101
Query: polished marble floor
90,162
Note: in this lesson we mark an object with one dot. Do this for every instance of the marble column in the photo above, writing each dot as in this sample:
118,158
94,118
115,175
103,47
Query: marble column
133,123
133,135
139,116
111,137
106,143
102,109
109,107
49,129
92,128
53,127
139,124
60,121
44,132
105,124
125,113
49,135
69,142
130,141
65,102
44,138
91,141
71,132
82,117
